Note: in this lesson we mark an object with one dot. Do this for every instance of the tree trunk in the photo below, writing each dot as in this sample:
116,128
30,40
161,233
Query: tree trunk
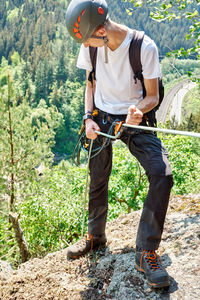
23,246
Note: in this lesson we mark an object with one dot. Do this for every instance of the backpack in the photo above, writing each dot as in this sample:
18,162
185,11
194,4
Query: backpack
135,62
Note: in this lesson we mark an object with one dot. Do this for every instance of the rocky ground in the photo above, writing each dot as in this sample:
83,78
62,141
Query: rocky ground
110,273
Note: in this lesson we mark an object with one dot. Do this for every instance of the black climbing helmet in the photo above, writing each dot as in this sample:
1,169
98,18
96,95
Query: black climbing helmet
84,16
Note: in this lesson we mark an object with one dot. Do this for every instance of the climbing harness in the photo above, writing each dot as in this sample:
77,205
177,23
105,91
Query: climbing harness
83,142
118,129
114,133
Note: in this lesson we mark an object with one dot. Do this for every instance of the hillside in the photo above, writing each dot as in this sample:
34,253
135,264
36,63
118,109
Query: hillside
30,27
41,56
110,273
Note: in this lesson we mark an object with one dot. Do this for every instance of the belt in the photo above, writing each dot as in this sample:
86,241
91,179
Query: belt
107,117
110,118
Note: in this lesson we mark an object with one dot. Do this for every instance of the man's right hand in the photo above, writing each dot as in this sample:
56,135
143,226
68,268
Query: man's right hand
90,127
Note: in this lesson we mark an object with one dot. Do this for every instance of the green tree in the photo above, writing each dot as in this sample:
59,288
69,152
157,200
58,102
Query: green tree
24,145
61,71
43,80
179,10
69,101
72,110
3,13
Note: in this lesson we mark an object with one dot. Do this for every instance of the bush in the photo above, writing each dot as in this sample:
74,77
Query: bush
185,163
53,216
128,182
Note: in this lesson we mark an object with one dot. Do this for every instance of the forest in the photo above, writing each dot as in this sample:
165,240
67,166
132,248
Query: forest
42,105
41,56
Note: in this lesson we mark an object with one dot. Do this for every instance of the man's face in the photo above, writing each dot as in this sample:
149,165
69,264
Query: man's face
96,42
93,42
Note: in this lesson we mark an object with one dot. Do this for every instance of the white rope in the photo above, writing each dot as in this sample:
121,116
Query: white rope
114,137
170,131
147,128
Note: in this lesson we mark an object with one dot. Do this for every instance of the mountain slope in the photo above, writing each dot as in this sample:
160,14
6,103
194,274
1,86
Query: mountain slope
29,27
110,274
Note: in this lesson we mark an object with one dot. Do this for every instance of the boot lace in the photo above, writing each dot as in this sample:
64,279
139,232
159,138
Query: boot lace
87,238
152,258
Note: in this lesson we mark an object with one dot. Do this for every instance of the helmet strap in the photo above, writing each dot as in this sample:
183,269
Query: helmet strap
106,48
105,45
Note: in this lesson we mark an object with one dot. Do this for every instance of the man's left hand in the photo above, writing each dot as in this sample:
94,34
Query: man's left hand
134,116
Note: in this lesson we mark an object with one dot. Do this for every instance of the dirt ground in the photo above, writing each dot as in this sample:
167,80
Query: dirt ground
109,273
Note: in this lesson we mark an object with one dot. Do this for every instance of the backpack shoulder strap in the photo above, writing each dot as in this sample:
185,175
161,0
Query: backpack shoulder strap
134,54
93,58
136,65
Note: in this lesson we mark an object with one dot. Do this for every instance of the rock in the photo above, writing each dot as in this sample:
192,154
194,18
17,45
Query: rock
5,269
110,273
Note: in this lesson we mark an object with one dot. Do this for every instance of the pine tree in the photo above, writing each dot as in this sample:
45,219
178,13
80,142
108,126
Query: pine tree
3,13
40,89
23,147
61,71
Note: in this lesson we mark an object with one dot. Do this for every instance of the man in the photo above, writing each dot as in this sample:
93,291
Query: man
116,95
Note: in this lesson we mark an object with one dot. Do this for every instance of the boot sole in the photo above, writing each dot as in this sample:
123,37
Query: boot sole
94,248
153,284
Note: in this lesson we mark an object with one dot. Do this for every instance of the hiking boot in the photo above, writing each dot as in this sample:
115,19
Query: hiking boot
149,263
86,244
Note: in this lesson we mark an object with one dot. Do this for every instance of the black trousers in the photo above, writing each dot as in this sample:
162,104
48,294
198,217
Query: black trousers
153,157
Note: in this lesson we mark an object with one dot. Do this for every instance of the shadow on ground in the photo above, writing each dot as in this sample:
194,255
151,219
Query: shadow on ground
114,276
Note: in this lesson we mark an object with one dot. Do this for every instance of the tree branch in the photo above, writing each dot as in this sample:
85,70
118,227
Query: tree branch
12,194
23,246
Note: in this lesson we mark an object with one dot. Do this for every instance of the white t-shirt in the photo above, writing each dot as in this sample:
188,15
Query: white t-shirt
116,89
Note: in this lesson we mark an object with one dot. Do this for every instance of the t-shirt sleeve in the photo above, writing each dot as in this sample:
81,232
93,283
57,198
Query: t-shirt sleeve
83,61
150,59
